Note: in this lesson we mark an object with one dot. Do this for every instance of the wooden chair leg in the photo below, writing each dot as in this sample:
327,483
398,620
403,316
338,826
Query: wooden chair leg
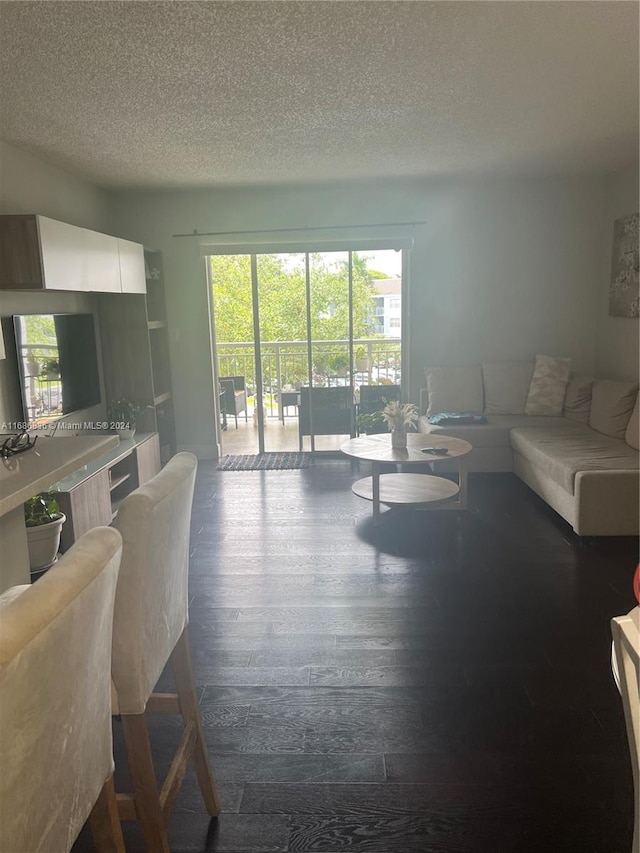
105,822
145,786
183,674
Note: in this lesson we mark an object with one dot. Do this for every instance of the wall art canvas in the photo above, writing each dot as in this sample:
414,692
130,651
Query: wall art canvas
624,298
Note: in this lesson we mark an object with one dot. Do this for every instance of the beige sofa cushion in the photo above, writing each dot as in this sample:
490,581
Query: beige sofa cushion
454,389
611,405
506,386
561,453
632,432
548,386
577,400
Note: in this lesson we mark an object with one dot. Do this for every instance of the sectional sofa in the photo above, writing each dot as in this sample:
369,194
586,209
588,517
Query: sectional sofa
573,439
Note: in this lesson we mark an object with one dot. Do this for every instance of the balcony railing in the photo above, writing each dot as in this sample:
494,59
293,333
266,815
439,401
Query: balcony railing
285,365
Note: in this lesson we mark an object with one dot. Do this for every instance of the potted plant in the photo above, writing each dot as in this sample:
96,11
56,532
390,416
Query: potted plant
321,365
50,368
122,417
362,362
43,520
32,369
339,364
398,417
298,377
371,423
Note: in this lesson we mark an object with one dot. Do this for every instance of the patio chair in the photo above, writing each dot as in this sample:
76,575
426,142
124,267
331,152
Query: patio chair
373,398
235,396
325,411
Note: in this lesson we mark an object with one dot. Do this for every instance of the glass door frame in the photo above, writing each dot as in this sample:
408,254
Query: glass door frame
307,249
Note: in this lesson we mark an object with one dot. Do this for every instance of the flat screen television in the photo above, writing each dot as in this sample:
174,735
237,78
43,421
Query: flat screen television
58,365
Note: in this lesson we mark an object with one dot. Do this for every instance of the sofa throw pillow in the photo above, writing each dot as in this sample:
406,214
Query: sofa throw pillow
506,386
548,386
454,389
577,400
632,433
611,405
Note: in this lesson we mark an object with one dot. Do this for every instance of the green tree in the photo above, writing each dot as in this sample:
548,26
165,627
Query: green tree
40,329
282,297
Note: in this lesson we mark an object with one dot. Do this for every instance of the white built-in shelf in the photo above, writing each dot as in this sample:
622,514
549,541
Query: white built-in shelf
157,324
117,481
161,398
119,449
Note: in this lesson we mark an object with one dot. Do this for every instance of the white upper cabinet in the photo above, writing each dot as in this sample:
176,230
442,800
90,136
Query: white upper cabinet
102,271
132,279
64,262
38,253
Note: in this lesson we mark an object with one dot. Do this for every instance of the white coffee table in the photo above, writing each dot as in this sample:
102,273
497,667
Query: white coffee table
427,491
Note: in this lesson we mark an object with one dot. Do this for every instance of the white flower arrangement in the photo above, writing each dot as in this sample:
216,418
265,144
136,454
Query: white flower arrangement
400,415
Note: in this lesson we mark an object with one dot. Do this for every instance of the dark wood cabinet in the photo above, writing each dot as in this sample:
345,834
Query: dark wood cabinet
20,261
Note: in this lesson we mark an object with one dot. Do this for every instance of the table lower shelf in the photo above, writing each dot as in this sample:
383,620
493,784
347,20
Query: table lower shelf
408,489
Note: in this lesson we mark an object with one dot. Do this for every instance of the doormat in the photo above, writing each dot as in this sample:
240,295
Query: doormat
264,462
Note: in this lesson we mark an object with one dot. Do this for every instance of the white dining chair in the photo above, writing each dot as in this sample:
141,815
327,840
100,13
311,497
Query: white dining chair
150,628
55,703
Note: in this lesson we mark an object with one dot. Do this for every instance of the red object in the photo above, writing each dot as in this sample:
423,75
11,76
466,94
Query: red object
636,584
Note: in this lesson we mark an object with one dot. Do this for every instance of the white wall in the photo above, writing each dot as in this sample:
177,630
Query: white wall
502,269
30,185
617,342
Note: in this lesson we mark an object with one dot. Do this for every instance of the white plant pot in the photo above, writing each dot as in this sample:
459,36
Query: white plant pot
43,543
398,437
125,434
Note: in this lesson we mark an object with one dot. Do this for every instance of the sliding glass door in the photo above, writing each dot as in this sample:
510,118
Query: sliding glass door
301,332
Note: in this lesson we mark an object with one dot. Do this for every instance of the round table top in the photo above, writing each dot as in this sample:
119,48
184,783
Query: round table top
377,448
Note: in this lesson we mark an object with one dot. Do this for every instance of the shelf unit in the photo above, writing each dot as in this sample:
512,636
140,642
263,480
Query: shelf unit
135,350
158,333
114,482
90,497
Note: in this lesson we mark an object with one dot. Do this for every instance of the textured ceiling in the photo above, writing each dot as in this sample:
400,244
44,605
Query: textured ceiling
205,93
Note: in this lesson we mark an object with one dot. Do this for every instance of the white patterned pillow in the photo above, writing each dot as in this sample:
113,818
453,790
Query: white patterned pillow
548,386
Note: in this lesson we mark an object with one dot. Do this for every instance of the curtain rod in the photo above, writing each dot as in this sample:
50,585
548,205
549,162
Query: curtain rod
196,233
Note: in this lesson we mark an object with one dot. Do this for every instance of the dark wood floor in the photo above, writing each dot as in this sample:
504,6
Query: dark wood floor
440,682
